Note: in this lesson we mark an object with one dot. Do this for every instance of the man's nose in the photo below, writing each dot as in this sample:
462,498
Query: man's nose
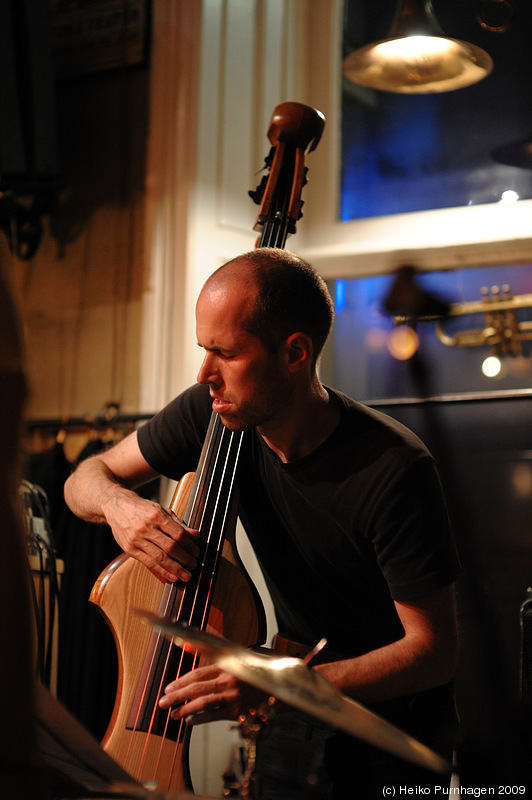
206,372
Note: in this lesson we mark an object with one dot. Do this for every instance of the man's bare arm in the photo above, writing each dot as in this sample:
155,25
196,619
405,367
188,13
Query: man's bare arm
424,658
101,490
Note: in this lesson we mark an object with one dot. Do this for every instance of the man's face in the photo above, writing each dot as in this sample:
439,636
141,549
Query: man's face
247,383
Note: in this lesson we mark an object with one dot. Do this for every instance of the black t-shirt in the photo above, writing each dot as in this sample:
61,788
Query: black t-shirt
339,534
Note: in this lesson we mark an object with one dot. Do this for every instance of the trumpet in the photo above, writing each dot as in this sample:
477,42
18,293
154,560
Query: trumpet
502,331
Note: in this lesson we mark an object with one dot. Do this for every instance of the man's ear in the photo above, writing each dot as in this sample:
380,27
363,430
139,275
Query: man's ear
299,350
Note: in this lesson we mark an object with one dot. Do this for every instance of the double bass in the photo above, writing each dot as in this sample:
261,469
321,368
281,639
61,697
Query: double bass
220,598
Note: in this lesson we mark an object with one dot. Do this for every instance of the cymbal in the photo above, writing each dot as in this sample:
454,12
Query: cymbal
292,681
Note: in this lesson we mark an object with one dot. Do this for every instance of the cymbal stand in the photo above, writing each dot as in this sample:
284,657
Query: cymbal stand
253,726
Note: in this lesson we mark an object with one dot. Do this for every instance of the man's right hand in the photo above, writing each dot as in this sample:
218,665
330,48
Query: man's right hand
101,490
153,535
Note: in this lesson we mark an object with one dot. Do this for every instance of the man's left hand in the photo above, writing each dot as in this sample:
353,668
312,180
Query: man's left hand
207,694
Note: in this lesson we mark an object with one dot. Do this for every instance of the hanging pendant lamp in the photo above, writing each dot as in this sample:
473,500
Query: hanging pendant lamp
417,57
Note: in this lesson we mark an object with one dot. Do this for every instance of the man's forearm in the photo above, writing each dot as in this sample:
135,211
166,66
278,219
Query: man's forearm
101,490
89,488
391,671
424,658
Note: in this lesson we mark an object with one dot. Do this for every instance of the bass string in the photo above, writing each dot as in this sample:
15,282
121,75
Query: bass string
222,504
206,467
275,229
219,519
162,682
223,491
274,234
168,601
167,608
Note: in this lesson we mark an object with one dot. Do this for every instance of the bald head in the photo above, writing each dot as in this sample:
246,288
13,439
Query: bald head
286,296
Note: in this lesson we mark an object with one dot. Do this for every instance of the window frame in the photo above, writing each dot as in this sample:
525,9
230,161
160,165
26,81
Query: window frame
481,235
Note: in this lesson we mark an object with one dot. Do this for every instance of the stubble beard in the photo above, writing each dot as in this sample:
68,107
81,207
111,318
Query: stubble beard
254,414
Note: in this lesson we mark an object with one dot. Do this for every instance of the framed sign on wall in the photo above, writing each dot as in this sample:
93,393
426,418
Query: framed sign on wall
95,35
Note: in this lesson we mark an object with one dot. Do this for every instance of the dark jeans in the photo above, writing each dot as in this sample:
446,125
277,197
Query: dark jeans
301,760
291,760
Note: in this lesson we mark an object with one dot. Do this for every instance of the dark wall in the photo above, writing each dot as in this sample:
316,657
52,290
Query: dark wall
484,452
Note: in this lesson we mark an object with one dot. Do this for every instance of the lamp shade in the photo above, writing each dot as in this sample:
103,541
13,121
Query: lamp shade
417,57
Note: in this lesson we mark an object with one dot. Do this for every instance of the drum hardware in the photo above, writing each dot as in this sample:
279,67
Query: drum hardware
253,726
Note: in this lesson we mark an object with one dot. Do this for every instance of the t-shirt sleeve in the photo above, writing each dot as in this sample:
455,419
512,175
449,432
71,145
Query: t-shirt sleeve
171,441
413,539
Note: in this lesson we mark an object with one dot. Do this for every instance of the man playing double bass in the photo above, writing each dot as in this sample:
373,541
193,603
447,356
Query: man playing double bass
344,509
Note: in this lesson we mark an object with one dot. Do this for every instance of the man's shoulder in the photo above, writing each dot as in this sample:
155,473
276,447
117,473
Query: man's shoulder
187,414
362,419
171,441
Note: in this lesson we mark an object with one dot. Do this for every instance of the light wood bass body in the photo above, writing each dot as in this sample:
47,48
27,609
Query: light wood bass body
151,755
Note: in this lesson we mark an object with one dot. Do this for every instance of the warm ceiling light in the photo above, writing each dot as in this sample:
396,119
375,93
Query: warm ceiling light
417,57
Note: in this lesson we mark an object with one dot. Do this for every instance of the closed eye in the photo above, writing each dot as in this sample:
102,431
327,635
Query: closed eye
217,352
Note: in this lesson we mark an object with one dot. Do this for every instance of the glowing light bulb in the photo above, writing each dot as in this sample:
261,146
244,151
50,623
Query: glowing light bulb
491,366
403,342
509,196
